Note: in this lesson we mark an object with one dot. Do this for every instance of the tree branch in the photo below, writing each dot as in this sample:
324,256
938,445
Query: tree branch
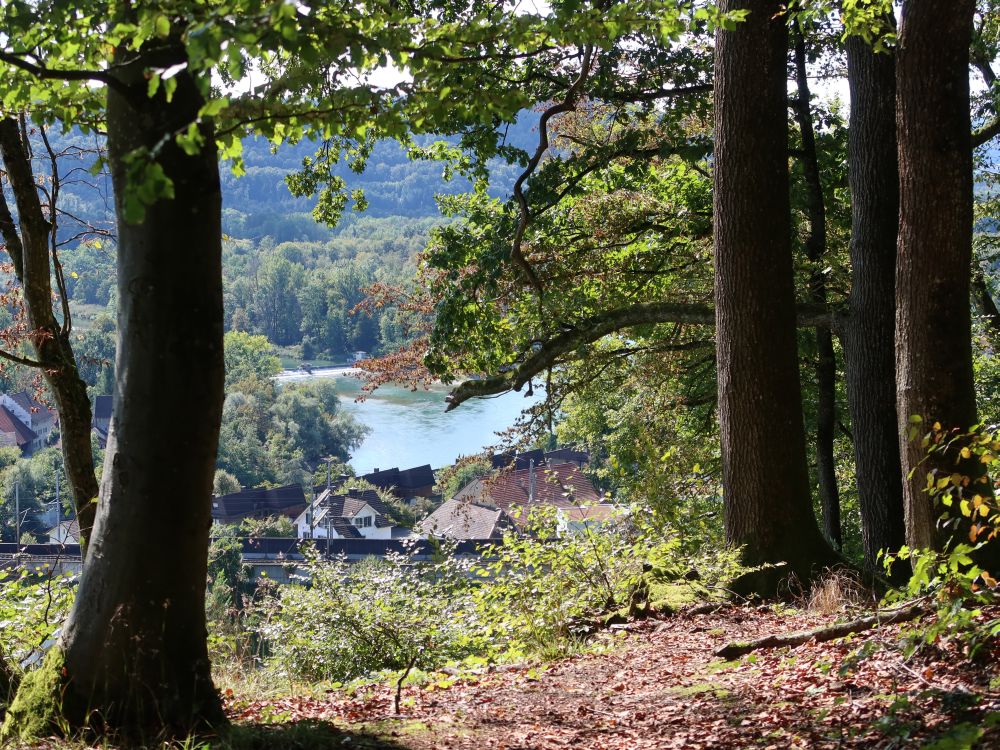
568,104
549,353
49,74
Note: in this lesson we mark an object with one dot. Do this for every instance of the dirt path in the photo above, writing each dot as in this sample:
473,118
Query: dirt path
661,687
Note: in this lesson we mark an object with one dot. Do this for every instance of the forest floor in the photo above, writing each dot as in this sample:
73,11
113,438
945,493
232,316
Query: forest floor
659,685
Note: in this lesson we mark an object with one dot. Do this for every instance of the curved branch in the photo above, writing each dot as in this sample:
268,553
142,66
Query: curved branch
987,132
549,353
568,104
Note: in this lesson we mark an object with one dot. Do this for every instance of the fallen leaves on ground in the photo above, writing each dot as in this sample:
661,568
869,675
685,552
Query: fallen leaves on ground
661,687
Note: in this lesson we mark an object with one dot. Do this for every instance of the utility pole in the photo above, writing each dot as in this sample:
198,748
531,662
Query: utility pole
329,476
17,512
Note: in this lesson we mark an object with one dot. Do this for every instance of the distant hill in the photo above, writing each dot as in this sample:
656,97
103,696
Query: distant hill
258,204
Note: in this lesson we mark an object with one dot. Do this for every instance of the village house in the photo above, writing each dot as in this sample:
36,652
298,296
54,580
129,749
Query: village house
465,519
537,457
348,514
406,484
487,507
101,422
65,532
25,422
259,503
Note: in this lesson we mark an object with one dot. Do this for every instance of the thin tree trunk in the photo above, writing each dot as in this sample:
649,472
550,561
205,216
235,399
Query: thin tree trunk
133,656
869,331
815,246
984,302
933,321
29,249
768,510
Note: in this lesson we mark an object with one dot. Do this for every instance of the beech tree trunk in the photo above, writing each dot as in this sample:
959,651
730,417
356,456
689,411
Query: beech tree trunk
29,251
868,334
933,320
133,656
815,246
768,509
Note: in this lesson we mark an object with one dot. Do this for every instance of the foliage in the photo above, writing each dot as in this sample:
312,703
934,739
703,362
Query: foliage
379,614
33,605
249,357
225,483
272,436
543,591
956,577
34,480
453,478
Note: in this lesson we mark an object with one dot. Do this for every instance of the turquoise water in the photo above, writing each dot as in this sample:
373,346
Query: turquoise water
411,428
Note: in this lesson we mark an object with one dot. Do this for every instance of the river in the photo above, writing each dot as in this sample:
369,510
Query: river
411,428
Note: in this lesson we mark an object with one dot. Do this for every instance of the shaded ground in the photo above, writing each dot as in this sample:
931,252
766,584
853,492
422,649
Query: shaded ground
661,687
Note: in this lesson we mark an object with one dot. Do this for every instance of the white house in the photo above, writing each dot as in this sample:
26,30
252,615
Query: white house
358,514
67,532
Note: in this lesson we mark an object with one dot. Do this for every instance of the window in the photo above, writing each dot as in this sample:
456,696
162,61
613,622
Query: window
363,521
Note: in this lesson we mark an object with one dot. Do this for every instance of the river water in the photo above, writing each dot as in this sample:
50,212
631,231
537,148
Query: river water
411,428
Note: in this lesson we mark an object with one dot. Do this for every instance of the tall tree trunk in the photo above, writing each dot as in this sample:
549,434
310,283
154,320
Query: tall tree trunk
133,656
826,364
29,250
933,320
768,509
869,335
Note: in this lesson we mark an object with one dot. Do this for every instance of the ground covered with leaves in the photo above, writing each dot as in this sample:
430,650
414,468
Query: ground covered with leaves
657,684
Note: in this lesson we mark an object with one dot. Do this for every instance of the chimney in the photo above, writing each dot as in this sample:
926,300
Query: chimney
353,492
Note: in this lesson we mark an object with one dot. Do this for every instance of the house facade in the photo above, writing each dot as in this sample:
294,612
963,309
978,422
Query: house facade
348,514
25,422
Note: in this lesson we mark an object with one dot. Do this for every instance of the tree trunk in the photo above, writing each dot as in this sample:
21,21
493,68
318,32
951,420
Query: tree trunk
29,249
768,509
933,322
826,364
869,332
133,656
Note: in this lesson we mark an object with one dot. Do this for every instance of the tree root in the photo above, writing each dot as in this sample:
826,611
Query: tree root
826,633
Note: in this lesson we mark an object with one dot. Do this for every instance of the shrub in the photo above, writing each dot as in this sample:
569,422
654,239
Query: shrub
32,608
352,620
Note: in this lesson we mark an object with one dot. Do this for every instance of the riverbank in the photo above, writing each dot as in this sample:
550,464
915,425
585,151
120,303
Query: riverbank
411,428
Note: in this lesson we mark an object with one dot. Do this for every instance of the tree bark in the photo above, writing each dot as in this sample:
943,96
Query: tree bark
815,247
133,656
29,249
768,510
934,379
868,333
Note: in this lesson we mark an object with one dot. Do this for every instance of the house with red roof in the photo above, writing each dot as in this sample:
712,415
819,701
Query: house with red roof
25,422
505,500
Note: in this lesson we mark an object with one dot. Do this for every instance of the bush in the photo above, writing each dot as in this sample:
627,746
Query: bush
32,609
379,614
542,592
954,578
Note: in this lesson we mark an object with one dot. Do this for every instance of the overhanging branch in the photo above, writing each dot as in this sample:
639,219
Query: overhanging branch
49,74
551,353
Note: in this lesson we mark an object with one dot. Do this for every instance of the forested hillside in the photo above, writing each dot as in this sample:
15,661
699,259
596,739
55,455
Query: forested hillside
288,276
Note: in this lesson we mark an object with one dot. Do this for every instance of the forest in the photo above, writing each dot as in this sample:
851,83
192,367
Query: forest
745,249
